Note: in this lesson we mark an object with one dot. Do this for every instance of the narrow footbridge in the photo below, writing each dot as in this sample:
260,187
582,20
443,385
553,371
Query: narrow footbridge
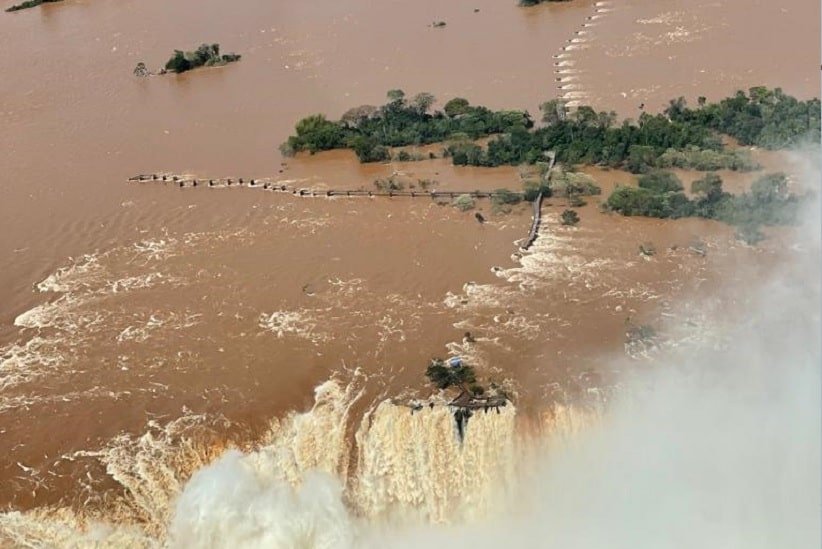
271,185
535,223
186,181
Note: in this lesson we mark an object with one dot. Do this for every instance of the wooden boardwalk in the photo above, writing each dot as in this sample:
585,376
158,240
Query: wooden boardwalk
183,181
535,223
267,184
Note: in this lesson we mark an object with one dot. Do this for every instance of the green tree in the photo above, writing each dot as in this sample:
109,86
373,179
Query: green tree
708,187
315,133
422,102
770,188
456,107
354,116
464,202
369,149
178,62
553,111
660,181
641,158
396,96
506,197
444,376
569,217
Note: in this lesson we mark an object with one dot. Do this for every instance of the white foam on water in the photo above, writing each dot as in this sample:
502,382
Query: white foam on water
158,322
28,400
347,288
80,274
299,323
555,257
154,249
23,362
390,328
476,296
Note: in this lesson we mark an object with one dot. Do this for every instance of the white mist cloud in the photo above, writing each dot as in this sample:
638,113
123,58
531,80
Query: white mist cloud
709,448
230,505
713,448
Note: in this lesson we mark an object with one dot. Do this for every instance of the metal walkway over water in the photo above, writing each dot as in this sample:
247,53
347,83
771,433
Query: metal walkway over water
184,181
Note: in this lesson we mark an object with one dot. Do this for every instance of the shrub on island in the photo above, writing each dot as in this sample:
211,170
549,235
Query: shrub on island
660,195
30,4
207,55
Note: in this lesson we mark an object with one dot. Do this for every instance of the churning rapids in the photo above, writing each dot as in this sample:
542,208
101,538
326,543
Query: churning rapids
233,368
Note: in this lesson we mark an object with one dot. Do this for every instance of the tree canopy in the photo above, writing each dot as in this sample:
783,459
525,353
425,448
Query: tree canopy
680,137
763,117
443,375
207,55
767,203
368,130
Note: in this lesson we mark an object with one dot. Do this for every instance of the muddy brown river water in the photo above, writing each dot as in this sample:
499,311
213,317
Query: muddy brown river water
125,307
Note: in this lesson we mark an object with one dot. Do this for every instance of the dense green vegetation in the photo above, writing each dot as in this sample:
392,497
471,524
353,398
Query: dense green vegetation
762,117
560,183
207,55
370,130
660,194
443,376
706,160
464,202
30,4
569,217
680,137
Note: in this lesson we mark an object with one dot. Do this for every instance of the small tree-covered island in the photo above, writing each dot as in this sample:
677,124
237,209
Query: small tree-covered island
207,55
679,137
30,4
453,373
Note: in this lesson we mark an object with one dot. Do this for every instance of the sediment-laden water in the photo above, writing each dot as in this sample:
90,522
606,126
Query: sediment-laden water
147,329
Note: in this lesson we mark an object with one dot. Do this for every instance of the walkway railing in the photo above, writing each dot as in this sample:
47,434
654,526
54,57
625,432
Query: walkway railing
272,185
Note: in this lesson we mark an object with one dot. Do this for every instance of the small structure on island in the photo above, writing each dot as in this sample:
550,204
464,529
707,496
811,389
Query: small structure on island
453,372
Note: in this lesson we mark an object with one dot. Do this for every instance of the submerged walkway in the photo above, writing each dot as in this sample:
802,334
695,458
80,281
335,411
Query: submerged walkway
184,181
535,223
270,185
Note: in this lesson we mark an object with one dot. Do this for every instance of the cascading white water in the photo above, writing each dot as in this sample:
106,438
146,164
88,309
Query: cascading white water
295,489
414,464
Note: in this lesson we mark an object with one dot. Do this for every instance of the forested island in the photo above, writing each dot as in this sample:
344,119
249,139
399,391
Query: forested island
30,4
660,194
207,55
370,131
679,137
472,397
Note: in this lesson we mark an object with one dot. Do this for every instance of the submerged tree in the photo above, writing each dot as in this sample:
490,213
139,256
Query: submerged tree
141,70
206,55
444,375
569,217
